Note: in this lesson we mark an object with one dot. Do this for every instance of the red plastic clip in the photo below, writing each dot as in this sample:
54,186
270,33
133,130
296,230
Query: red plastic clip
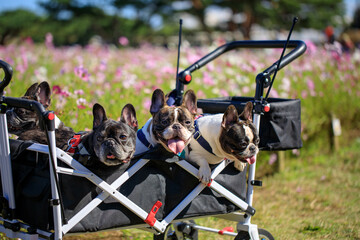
51,116
226,229
209,184
150,219
188,78
267,108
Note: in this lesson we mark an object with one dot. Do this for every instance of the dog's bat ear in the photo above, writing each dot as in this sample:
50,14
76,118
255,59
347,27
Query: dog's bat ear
128,116
190,101
99,115
43,93
246,115
157,101
31,91
230,117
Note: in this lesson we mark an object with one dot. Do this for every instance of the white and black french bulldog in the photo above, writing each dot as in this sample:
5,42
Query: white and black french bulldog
223,136
20,120
170,126
110,142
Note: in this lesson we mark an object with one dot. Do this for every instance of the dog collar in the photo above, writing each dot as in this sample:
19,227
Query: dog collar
201,140
141,136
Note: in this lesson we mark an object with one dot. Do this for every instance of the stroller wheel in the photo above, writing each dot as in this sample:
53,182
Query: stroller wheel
263,235
182,230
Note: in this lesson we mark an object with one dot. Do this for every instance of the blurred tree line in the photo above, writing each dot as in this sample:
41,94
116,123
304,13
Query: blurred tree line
77,21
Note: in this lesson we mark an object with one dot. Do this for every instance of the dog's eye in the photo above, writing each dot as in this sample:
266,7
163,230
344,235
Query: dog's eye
123,137
243,145
187,122
164,122
100,138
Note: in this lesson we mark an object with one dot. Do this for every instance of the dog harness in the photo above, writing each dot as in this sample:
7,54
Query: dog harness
75,143
200,139
143,140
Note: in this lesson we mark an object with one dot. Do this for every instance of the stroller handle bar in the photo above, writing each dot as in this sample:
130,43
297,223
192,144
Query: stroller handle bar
299,46
8,75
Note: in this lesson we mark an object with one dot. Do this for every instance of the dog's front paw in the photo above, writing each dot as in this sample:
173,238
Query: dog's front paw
204,174
239,165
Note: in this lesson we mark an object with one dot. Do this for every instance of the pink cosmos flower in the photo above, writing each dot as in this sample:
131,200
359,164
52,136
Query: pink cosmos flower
223,93
82,73
274,93
167,70
81,102
245,90
200,94
304,94
147,103
311,87
103,66
49,40
123,41
79,92
310,47
29,40
272,158
57,90
207,79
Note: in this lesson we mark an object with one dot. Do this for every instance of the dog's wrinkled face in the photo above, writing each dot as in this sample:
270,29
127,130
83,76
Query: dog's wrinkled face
173,126
114,141
20,120
239,138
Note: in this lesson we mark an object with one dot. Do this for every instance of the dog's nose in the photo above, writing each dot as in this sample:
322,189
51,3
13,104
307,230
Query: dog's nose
110,143
252,148
176,126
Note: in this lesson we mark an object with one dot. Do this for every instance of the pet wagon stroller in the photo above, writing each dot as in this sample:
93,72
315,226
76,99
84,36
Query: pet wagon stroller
47,194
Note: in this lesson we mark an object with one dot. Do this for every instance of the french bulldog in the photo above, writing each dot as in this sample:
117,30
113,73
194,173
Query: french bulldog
223,136
170,126
110,142
20,120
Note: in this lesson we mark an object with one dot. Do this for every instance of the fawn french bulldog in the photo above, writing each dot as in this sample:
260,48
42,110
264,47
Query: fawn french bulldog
223,136
170,126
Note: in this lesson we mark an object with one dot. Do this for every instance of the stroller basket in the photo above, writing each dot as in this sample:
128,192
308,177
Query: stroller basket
158,181
280,128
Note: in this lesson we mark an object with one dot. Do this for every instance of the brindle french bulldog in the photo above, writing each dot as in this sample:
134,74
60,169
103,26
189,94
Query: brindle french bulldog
110,142
20,120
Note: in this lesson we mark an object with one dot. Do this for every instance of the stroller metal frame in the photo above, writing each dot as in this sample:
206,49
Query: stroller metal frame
17,229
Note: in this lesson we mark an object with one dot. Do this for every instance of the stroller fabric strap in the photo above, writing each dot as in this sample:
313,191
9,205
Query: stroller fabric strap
143,140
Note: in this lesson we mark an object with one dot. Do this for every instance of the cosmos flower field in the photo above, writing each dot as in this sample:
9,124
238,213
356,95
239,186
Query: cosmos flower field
326,80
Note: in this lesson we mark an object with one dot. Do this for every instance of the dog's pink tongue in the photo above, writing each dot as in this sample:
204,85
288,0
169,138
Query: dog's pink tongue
251,160
176,145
